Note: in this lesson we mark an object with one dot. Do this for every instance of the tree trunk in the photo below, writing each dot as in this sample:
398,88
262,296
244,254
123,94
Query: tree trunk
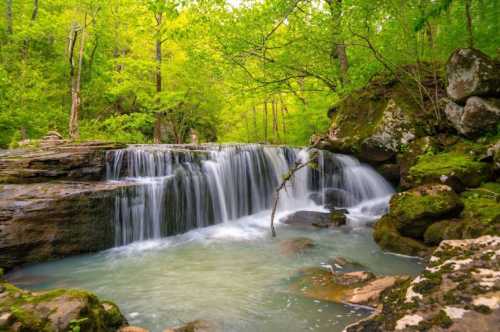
265,121
255,123
76,82
469,23
158,117
8,14
338,50
34,15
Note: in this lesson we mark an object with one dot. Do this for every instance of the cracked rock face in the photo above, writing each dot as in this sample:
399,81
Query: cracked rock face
458,291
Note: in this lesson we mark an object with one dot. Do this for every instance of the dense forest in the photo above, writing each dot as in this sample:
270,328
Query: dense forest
239,70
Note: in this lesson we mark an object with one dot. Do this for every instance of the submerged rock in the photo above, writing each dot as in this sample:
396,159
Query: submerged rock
56,310
314,219
295,246
357,288
195,326
458,291
333,198
470,72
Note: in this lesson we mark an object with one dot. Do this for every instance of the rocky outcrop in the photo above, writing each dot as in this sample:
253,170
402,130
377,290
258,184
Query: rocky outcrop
470,72
44,221
85,161
355,288
56,311
458,291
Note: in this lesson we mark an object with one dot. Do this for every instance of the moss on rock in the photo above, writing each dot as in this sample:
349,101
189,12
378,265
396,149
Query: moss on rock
416,209
57,310
387,236
448,165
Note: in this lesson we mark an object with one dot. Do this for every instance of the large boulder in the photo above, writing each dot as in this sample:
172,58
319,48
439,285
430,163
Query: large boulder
472,73
477,117
457,291
416,209
56,310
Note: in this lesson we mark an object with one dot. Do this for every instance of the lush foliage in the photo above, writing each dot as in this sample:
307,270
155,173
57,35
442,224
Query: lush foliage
236,70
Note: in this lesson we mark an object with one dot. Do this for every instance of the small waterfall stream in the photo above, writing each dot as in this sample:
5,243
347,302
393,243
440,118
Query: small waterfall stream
179,188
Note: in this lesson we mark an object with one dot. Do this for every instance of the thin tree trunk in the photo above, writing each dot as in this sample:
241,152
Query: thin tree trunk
255,123
469,23
265,121
34,15
158,117
76,87
8,14
338,48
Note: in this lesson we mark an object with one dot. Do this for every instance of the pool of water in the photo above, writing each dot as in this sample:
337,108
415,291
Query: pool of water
232,274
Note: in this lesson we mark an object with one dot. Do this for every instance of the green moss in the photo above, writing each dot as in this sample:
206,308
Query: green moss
443,230
430,168
418,208
388,237
482,309
431,282
442,320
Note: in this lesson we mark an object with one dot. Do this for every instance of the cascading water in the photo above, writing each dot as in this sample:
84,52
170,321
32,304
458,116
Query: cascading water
179,188
232,273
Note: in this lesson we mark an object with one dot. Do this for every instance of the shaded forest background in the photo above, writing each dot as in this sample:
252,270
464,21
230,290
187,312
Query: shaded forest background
251,71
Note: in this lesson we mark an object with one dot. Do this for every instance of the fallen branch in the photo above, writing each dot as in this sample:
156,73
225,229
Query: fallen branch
289,176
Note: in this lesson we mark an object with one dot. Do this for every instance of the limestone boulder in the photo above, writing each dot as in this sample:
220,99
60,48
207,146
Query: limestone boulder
478,116
470,72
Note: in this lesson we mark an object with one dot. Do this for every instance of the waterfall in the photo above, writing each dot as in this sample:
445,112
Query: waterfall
179,187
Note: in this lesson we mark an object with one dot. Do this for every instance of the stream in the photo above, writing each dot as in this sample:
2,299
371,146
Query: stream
193,240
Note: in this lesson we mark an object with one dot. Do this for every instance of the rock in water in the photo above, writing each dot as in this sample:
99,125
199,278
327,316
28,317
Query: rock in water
478,115
314,219
195,326
295,246
472,73
358,288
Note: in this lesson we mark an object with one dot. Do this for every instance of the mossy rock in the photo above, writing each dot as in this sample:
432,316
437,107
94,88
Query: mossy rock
482,210
448,167
416,209
443,230
388,238
58,310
